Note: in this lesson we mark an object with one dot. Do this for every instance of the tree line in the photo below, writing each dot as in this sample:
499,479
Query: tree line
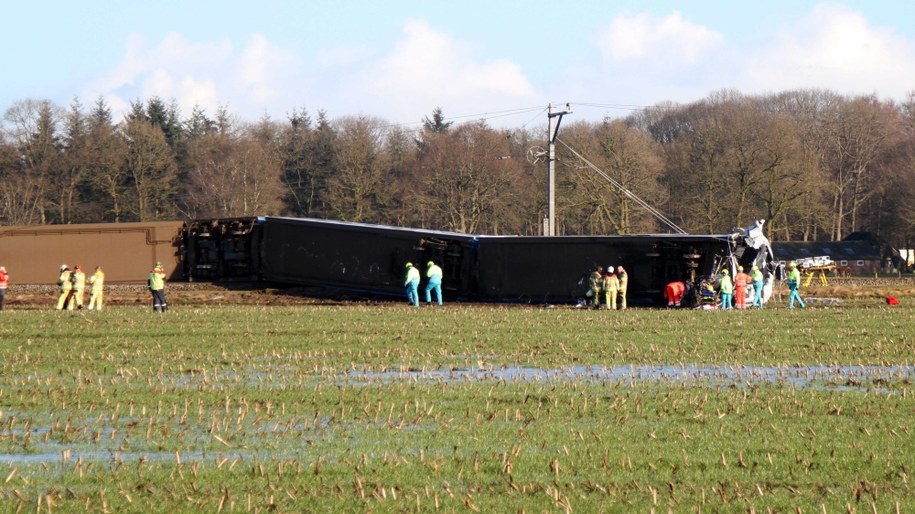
817,165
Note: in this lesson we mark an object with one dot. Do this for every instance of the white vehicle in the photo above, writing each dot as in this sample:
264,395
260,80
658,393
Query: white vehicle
813,263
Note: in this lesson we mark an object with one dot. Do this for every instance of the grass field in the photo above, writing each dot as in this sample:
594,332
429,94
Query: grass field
385,408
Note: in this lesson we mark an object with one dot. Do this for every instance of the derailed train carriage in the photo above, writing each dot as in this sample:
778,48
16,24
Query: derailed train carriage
353,260
344,258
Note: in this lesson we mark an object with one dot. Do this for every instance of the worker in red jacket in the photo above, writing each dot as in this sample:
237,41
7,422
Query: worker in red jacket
4,283
674,292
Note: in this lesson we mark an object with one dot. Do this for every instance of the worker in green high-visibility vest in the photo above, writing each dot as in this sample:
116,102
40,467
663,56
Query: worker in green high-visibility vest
157,288
794,283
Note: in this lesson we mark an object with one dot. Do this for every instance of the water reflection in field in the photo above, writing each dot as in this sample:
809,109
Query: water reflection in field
819,377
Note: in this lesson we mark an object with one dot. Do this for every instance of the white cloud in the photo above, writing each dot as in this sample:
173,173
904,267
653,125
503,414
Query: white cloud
424,70
835,48
204,74
259,68
643,37
427,69
344,56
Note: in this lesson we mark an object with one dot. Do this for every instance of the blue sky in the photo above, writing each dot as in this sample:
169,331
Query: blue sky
398,60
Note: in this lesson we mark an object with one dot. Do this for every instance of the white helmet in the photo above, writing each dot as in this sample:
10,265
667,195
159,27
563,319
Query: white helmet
63,267
609,269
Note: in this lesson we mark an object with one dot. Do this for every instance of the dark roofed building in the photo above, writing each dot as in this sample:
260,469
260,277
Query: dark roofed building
859,253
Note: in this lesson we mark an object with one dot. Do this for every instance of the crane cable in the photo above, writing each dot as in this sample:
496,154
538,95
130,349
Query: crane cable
625,191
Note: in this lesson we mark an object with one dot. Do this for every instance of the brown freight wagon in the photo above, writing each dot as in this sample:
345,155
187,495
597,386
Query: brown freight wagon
125,251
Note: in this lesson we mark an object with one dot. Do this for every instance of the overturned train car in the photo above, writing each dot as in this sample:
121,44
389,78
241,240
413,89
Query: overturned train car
351,260
344,258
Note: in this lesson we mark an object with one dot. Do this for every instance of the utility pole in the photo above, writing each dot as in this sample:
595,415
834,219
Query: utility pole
555,117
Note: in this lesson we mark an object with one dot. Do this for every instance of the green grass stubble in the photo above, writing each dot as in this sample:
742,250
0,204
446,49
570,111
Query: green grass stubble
253,408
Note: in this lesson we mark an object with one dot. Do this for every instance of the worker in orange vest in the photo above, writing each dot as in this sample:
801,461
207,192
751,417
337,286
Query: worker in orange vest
741,283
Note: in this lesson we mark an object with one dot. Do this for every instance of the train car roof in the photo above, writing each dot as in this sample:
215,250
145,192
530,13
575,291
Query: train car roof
370,226
455,235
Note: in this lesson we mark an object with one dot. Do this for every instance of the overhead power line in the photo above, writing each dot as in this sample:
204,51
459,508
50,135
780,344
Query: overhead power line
656,213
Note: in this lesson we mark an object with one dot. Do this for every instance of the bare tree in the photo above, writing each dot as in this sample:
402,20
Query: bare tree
150,171
20,194
358,190
106,155
33,129
464,184
628,156
855,135
235,175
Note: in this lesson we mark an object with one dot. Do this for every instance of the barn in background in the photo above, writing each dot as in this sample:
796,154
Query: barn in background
861,253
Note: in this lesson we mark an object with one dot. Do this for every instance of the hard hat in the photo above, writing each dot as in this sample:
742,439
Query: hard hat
739,268
63,267
725,272
3,268
755,268
158,264
430,264
792,264
609,269
409,265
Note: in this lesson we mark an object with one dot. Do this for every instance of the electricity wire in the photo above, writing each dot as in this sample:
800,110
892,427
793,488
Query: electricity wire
656,213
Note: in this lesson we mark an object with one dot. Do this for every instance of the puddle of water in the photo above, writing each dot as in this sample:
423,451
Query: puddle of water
66,456
851,377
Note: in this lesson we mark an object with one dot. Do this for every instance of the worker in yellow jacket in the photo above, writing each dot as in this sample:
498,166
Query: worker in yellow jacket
65,281
624,285
611,287
79,286
97,294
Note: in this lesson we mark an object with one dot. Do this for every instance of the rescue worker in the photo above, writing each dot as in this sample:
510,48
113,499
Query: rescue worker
157,288
624,283
434,274
757,277
411,283
65,281
594,282
79,286
4,284
97,294
674,292
611,287
741,283
794,283
727,290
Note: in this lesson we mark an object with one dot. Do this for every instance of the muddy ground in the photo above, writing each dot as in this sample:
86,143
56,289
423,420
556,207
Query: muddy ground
178,293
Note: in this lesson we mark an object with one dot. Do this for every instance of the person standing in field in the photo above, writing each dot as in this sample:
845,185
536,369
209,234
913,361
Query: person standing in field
79,286
611,287
757,277
4,284
411,284
624,284
434,274
727,290
97,294
794,283
595,282
65,281
741,281
157,288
